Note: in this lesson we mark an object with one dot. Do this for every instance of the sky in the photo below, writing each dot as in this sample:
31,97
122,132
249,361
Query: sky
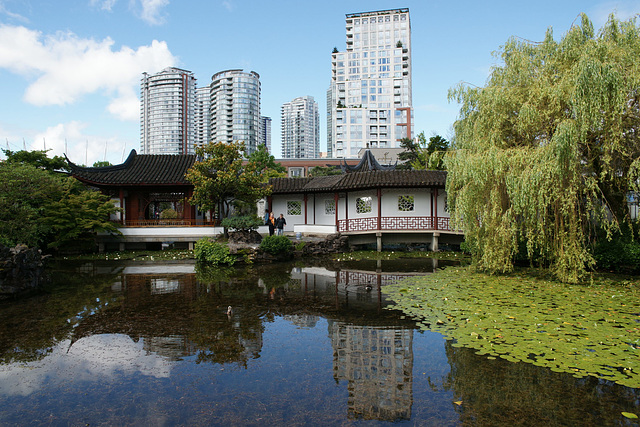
70,69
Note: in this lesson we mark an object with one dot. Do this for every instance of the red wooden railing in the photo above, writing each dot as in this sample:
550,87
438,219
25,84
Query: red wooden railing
168,223
399,223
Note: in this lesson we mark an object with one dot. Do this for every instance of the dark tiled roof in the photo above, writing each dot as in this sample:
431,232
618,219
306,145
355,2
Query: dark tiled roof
360,181
288,185
145,169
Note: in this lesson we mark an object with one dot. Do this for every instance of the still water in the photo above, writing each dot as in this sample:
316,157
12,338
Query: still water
289,344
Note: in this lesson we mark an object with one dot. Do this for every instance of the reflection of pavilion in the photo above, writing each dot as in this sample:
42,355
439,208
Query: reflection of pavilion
378,364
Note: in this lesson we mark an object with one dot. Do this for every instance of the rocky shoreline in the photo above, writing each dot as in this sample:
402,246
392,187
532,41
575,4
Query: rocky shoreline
21,270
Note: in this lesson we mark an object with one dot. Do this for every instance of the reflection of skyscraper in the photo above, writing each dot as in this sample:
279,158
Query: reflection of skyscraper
378,364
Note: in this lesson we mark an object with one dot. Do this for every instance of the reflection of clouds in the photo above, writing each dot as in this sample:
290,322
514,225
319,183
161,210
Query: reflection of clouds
95,356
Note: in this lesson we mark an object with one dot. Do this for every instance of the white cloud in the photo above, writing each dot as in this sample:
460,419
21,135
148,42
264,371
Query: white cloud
103,4
15,16
80,147
152,11
95,358
623,10
66,67
228,5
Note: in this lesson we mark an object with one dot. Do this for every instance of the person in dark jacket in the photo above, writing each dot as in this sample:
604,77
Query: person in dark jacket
280,223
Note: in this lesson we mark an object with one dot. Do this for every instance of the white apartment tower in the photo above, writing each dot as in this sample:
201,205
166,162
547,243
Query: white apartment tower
235,108
370,93
300,129
264,136
202,116
167,122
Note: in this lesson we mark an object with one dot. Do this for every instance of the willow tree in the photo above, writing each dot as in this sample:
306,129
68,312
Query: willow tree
546,152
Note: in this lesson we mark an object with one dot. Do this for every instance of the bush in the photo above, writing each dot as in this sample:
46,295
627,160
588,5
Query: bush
212,252
621,254
276,245
242,223
168,214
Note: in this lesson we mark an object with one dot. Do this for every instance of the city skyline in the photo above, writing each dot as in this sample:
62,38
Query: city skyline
70,75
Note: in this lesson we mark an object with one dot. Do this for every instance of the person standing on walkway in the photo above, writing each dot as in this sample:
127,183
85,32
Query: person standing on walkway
280,223
271,223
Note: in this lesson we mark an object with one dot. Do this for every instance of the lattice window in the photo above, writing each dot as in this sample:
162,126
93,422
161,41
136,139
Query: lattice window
330,207
363,205
406,203
294,207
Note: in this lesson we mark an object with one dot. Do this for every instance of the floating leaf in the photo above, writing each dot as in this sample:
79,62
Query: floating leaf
629,415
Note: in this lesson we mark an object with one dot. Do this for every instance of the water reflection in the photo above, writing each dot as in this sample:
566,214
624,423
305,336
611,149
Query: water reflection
309,344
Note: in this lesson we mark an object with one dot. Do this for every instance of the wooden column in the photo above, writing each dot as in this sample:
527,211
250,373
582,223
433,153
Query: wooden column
379,195
305,209
435,218
336,199
346,210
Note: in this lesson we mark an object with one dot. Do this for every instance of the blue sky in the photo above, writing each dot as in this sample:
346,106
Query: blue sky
70,69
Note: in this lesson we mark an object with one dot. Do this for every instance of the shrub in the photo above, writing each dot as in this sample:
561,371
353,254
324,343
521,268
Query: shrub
168,214
621,254
212,252
276,245
242,223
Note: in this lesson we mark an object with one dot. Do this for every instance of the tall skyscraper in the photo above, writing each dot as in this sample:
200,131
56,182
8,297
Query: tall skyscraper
300,129
370,100
167,122
202,116
235,108
264,136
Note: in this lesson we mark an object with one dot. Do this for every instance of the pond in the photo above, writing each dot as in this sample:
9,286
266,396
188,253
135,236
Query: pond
135,343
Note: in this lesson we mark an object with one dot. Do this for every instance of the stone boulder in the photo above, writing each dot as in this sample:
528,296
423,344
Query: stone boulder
244,236
21,270
333,243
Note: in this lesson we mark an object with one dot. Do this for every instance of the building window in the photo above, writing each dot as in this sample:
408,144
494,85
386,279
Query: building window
330,207
363,205
294,207
295,172
406,203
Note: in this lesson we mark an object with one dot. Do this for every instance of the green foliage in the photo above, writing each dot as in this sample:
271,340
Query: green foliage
77,215
242,223
222,177
47,209
101,164
276,245
547,148
324,171
168,213
620,254
300,245
265,165
423,154
36,158
210,252
581,329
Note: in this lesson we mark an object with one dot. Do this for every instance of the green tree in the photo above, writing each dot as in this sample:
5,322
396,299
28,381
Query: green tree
324,171
47,209
101,164
421,154
548,148
37,158
222,178
25,190
266,165
73,218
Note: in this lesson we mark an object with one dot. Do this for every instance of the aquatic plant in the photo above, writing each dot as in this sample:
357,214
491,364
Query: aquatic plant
589,329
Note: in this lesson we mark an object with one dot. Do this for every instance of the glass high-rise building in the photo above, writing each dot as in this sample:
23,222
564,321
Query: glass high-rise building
369,104
167,121
202,116
264,136
300,129
235,108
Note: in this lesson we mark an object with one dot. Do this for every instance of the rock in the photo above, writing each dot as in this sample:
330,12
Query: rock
333,243
21,270
244,236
